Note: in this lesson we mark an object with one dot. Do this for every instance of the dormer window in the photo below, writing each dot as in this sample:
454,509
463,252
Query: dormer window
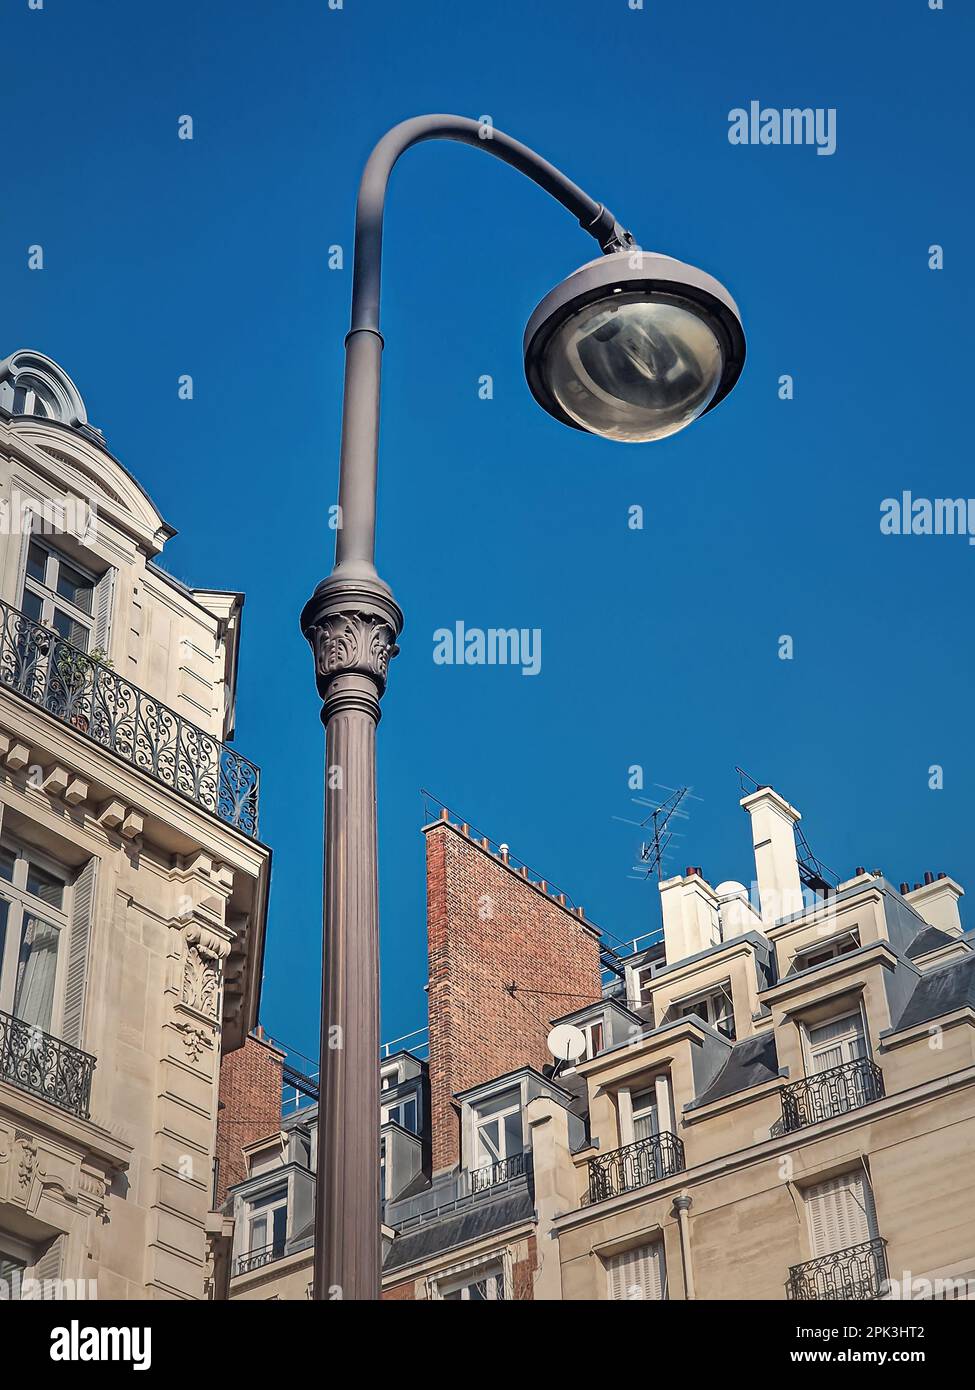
828,950
498,1133
837,1042
645,1114
594,1038
403,1113
715,1006
31,397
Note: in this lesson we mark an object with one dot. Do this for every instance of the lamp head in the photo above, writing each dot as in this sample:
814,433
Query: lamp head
634,346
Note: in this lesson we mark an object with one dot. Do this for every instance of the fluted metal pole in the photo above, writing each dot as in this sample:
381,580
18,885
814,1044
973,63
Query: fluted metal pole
352,623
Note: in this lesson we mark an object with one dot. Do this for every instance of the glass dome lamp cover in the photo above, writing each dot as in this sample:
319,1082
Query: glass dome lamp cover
634,347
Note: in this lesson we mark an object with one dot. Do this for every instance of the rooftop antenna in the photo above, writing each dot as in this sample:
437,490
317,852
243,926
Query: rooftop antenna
653,850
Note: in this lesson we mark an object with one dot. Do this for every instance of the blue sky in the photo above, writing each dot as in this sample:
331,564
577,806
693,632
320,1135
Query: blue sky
660,646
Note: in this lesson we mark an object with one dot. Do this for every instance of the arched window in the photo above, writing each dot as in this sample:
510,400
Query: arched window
32,397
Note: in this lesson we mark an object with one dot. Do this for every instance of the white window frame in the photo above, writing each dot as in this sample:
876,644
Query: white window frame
829,950
23,905
254,1215
515,1106
644,1111
714,1004
589,1029
388,1117
844,1043
47,590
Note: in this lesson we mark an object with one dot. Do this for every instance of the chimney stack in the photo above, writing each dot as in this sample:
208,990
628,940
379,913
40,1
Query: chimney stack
690,911
774,840
936,899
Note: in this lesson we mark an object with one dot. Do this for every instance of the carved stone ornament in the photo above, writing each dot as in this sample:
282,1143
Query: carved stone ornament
205,952
196,1041
26,1160
353,643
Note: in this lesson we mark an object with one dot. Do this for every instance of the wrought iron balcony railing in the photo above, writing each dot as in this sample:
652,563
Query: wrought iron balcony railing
857,1273
37,663
634,1165
829,1093
46,1067
255,1259
481,1179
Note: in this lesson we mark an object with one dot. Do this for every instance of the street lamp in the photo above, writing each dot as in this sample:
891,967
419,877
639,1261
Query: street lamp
633,347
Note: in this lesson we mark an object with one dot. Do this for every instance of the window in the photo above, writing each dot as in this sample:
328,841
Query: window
715,1007
834,1043
829,950
267,1223
497,1129
59,594
32,925
478,1285
644,983
644,1105
382,1170
594,1038
12,1274
841,1213
638,1274
32,397
403,1113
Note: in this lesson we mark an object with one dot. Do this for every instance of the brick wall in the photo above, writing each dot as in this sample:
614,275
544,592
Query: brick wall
401,1292
250,1099
487,927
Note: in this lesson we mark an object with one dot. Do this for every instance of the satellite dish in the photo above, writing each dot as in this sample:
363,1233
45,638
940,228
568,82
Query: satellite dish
566,1042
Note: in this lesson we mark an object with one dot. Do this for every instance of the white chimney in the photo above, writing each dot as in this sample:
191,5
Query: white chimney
776,867
690,913
937,903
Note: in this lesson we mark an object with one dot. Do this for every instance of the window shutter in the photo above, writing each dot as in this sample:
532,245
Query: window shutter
638,1274
82,904
49,1265
102,611
841,1213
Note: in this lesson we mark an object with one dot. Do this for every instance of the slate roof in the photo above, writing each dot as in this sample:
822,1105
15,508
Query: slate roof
941,992
749,1064
470,1224
929,939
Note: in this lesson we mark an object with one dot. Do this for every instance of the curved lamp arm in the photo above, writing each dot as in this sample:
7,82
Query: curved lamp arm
597,220
356,537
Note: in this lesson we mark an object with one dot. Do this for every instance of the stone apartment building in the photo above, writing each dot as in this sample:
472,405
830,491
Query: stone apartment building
773,1100
133,884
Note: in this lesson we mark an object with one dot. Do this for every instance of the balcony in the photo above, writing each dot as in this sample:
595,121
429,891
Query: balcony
827,1094
855,1274
257,1259
87,695
45,1067
495,1174
634,1166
